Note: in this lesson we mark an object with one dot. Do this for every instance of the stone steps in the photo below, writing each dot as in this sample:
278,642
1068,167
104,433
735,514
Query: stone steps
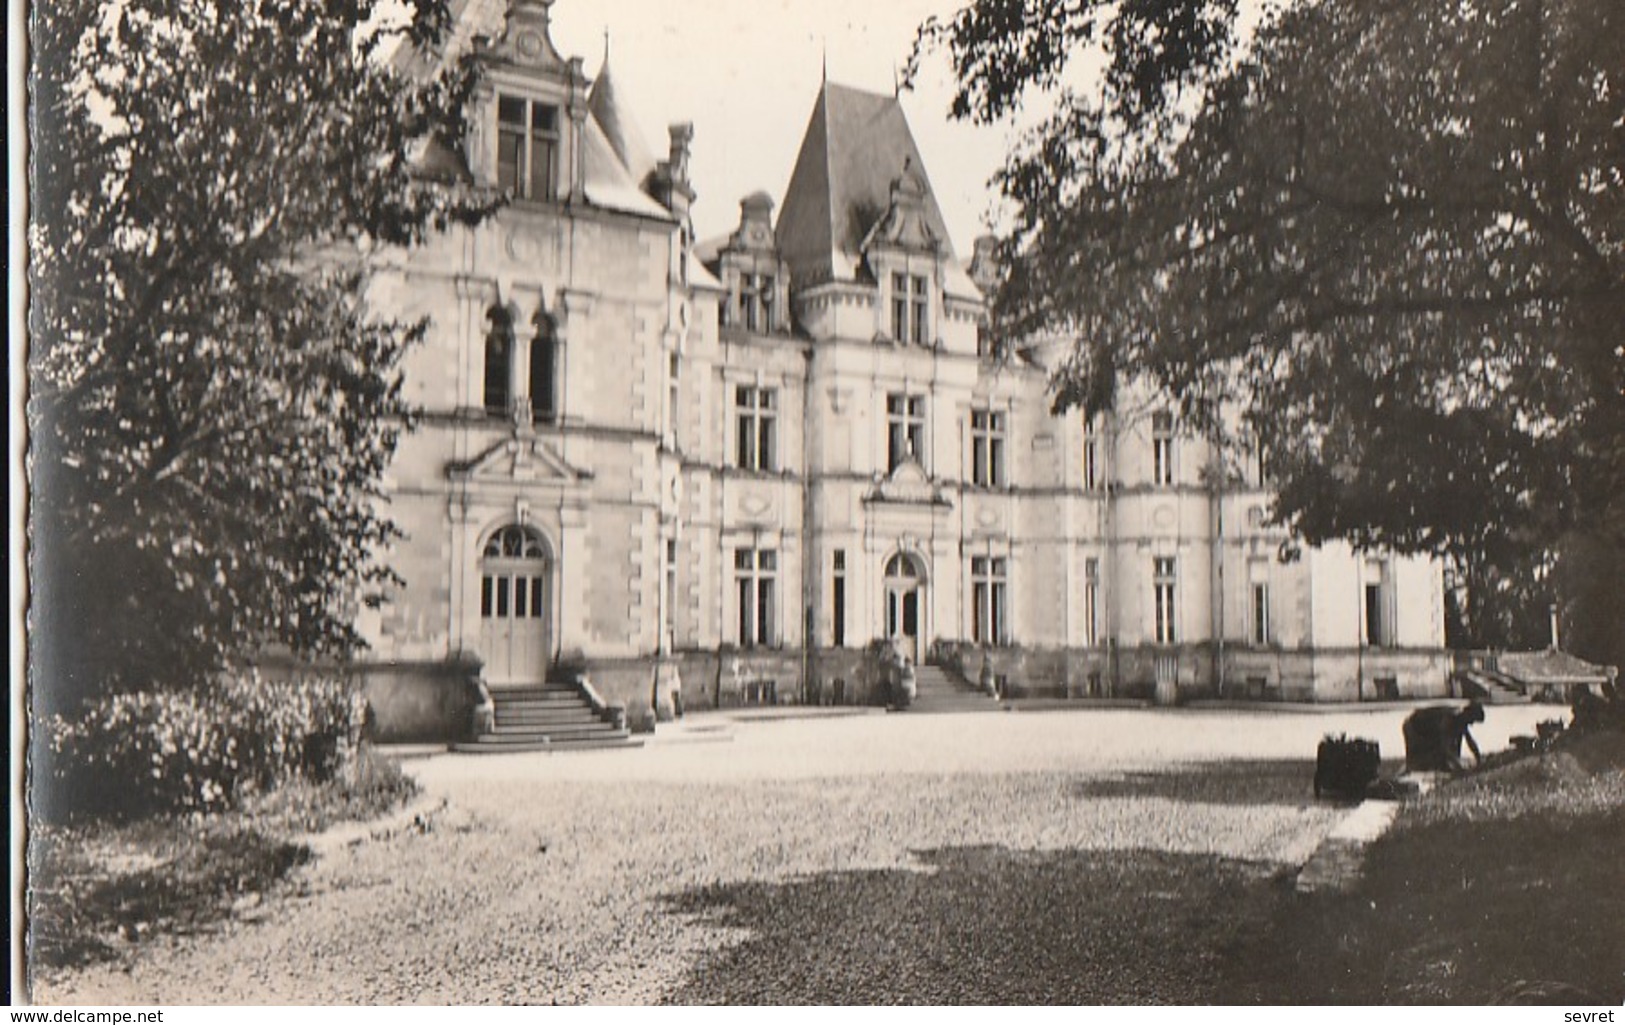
1489,686
545,717
938,690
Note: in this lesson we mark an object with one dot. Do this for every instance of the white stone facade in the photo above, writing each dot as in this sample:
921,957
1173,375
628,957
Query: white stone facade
754,458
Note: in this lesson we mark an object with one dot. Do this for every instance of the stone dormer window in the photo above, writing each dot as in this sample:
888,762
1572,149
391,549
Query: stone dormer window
530,109
528,147
756,277
910,321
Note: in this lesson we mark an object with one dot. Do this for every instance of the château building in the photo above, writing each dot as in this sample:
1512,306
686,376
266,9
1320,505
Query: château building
744,463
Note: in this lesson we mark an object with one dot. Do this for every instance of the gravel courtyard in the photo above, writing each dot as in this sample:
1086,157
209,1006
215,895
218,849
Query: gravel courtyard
1057,856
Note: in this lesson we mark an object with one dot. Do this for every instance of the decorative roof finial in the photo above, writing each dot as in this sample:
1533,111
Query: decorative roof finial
823,56
606,44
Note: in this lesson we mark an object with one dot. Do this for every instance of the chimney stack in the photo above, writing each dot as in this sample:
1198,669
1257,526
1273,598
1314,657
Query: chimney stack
671,177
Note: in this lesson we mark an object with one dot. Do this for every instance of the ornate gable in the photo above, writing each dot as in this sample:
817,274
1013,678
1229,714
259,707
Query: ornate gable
526,40
907,485
905,224
519,460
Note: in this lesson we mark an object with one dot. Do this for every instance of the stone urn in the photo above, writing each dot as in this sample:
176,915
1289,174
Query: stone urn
906,687
482,713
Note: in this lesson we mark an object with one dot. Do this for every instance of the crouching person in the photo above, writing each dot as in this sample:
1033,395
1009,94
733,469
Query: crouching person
1433,737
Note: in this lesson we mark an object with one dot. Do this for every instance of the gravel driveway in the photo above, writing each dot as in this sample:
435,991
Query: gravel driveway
572,878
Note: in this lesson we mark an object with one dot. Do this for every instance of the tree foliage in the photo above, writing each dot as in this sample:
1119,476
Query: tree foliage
212,405
1385,241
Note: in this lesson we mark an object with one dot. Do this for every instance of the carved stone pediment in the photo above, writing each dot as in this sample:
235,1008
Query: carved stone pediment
908,485
905,225
522,460
526,40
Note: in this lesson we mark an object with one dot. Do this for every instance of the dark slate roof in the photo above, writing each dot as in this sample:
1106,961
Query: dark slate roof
1549,666
855,145
468,18
440,161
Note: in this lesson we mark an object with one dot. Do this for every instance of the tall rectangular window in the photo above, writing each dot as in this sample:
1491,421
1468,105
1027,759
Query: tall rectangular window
498,365
1162,448
1261,613
544,372
905,429
1091,602
755,573
989,600
1091,456
838,600
1376,628
987,448
756,414
671,592
908,308
673,395
1164,581
527,147
756,294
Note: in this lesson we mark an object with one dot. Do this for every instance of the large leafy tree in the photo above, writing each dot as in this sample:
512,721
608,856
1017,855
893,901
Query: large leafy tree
212,404
1384,240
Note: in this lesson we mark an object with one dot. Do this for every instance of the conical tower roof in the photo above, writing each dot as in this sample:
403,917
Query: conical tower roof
856,145
619,128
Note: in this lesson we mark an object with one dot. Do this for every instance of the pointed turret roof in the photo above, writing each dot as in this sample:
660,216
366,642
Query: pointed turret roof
856,145
619,129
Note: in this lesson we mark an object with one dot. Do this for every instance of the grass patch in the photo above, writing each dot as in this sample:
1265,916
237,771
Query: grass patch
98,888
1500,887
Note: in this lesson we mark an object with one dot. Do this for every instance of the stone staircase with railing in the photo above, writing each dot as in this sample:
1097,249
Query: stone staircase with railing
941,690
1489,686
558,716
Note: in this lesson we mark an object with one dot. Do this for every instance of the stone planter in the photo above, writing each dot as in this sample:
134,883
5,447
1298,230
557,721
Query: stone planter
482,714
906,688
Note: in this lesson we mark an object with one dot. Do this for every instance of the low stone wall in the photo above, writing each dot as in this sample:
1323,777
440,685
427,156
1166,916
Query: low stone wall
1381,674
419,702
846,676
1267,674
1027,672
431,702
628,682
752,677
698,672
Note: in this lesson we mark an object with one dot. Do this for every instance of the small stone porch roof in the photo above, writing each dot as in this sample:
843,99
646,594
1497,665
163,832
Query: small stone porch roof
1551,666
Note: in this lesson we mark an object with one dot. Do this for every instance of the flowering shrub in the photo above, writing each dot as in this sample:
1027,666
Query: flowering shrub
206,750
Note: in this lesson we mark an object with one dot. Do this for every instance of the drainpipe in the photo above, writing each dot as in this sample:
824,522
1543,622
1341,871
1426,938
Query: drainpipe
1218,591
1108,576
812,566
1360,627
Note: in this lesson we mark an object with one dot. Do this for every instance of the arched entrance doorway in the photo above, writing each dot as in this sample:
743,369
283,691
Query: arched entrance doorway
515,605
905,600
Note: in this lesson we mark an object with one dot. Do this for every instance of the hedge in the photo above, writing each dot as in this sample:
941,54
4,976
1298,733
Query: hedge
135,754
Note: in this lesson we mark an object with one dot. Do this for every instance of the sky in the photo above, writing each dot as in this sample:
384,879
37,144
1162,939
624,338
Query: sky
746,73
